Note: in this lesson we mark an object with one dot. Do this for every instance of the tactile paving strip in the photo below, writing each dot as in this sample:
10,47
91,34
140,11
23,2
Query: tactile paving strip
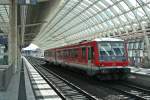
40,87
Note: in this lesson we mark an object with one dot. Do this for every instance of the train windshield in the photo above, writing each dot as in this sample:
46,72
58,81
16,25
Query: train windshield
112,51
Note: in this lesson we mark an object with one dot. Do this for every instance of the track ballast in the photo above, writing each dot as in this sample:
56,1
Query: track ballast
65,89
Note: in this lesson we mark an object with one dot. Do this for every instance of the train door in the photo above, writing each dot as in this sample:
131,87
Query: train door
89,56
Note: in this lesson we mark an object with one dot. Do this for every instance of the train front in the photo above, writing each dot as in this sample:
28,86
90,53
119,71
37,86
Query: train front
113,58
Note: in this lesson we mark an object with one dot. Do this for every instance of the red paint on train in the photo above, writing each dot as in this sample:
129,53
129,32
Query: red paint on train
94,56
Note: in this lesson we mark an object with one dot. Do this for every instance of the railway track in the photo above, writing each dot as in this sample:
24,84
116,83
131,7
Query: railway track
129,91
138,91
65,89
125,91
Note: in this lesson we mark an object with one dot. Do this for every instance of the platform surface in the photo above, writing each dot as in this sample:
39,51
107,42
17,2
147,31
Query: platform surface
21,87
139,70
41,88
12,91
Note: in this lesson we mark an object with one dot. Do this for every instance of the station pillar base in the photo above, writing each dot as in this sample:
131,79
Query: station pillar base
5,76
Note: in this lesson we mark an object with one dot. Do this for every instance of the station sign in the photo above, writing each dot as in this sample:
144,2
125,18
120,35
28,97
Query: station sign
27,2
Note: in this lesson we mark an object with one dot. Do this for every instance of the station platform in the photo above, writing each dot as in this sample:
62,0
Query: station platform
13,89
140,71
140,76
27,84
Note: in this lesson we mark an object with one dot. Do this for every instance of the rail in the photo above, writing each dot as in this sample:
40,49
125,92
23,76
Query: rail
64,88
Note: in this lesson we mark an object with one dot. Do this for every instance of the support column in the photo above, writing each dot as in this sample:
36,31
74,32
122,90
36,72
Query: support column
12,36
147,46
19,50
23,20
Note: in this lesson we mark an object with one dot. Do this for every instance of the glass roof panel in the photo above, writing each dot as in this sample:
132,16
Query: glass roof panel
83,5
117,9
88,2
140,12
131,15
110,13
123,18
104,16
110,23
4,16
97,8
144,1
126,8
109,1
80,8
107,4
96,18
101,5
134,3
92,11
116,21
147,9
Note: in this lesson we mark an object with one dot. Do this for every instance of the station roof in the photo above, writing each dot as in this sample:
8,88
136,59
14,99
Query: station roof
54,23
4,16
77,20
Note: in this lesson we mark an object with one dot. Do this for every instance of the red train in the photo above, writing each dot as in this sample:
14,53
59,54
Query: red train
104,57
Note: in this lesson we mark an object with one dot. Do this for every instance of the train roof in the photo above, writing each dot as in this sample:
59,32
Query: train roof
97,40
108,39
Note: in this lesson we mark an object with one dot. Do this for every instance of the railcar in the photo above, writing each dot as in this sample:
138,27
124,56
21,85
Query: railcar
105,58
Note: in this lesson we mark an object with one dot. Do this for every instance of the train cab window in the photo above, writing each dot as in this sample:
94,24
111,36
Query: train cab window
112,51
84,53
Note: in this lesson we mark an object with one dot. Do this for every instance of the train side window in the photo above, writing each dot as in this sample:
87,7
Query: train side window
69,52
49,53
90,53
75,53
84,53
